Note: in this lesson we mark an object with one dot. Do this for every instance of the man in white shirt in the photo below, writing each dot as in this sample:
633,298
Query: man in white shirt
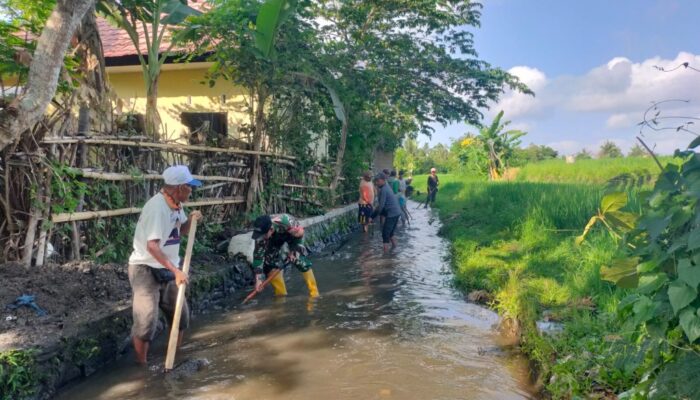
154,264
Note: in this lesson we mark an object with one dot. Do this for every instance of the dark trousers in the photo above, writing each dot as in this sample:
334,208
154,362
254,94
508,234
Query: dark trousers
388,228
431,197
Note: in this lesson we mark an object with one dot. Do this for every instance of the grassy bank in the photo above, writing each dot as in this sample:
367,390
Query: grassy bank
590,171
516,241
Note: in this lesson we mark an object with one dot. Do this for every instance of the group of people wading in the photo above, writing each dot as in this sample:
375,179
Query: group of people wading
386,198
154,264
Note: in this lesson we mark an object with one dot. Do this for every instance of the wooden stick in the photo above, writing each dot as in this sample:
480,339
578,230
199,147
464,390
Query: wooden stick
85,215
166,146
175,329
113,176
299,200
292,185
286,162
265,282
215,202
225,164
210,187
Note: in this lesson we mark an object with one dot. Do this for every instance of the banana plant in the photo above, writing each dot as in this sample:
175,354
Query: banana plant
271,15
611,216
149,21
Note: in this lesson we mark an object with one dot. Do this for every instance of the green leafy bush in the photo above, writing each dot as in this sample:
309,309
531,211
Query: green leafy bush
18,375
661,261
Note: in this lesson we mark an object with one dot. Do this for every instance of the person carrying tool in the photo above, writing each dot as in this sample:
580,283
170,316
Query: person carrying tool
154,272
389,206
433,183
271,233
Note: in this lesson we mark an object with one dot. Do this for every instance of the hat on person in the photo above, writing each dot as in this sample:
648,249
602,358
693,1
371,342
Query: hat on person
380,175
262,225
179,175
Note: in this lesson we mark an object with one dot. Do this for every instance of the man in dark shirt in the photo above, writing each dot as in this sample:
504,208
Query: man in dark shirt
433,183
389,205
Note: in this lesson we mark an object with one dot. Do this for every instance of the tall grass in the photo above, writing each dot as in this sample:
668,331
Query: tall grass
589,171
516,240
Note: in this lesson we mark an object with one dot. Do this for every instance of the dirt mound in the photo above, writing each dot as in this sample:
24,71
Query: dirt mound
71,294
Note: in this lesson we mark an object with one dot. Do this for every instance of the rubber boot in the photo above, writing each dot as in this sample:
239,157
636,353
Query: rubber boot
278,284
310,283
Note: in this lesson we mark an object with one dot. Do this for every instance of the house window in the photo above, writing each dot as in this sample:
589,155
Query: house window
208,128
132,123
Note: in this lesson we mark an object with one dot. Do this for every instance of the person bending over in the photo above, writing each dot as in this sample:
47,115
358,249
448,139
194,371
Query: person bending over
271,233
389,205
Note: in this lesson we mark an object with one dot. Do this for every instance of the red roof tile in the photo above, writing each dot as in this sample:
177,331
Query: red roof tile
116,41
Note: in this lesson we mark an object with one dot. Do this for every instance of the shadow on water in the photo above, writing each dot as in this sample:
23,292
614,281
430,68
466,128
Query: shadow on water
386,326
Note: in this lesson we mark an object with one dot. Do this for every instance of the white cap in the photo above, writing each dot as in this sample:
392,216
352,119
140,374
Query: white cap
179,175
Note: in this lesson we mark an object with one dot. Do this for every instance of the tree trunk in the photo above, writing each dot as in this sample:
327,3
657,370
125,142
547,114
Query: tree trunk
27,109
152,116
339,157
95,108
258,137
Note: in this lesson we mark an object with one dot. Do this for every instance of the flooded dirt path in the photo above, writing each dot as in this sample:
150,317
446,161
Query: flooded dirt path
386,327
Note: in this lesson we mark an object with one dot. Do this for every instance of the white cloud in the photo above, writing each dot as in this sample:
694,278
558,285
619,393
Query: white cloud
607,101
623,120
518,104
618,86
621,85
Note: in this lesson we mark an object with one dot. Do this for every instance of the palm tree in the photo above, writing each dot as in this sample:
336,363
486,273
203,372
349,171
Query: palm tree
499,145
609,150
637,151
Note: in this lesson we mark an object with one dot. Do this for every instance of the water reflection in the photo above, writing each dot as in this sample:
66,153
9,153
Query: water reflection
386,326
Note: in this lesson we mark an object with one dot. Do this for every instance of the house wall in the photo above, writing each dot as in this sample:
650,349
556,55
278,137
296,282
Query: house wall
180,90
382,160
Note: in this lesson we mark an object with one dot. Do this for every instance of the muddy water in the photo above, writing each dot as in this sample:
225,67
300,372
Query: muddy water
386,327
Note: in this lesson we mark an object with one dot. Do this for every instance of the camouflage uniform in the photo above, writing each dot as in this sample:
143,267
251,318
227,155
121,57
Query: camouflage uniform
272,253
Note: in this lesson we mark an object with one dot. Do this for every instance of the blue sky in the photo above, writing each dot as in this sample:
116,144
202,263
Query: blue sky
591,64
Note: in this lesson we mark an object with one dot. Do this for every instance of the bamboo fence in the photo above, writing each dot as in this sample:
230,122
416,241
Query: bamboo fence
118,174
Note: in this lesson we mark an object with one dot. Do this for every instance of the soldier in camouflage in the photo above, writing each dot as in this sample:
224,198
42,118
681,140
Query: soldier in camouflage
279,241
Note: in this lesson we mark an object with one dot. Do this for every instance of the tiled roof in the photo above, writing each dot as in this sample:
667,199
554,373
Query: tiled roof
116,41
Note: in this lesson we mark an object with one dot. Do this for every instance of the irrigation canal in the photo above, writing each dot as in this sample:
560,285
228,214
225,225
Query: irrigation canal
386,327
